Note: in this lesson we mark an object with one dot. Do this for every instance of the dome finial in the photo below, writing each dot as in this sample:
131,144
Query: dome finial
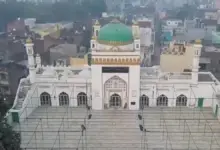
198,41
135,23
97,22
28,41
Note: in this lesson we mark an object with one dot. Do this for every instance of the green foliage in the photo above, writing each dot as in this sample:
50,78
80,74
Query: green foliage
43,12
9,139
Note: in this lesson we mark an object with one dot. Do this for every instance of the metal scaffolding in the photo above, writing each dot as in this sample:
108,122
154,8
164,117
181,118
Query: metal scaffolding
180,129
168,128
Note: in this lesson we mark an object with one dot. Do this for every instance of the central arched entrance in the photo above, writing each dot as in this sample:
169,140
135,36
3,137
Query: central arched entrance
115,92
115,101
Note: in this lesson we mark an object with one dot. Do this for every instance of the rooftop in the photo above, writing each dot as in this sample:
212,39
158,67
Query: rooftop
191,34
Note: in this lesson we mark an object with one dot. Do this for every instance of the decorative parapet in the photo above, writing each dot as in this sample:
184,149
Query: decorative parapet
114,43
116,61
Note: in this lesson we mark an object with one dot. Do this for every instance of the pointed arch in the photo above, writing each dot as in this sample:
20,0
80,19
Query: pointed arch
162,100
144,101
115,100
181,100
82,99
45,99
63,99
115,82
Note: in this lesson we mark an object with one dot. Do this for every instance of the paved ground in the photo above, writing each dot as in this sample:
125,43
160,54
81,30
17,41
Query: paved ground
167,128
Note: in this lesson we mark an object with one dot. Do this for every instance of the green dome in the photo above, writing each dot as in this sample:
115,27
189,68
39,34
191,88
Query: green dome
115,33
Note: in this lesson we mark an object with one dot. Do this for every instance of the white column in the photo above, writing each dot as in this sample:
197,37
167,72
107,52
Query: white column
97,87
195,64
31,62
96,29
134,87
38,60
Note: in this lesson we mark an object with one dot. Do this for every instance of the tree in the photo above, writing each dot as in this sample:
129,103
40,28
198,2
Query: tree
9,139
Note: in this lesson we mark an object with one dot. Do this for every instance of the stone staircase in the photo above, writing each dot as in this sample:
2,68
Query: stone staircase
52,128
186,129
59,128
23,89
113,130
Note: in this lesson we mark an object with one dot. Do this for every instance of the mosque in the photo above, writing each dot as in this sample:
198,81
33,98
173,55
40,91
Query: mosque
115,79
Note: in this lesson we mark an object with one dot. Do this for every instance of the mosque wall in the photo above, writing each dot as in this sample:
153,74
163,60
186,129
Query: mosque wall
97,85
72,91
206,92
173,91
134,90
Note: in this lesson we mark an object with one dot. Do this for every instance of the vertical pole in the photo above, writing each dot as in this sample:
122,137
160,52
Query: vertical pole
211,141
35,139
82,140
189,142
64,135
68,117
144,133
141,140
144,139
184,128
47,117
59,139
163,129
42,129
26,115
166,140
199,118
71,112
204,128
85,131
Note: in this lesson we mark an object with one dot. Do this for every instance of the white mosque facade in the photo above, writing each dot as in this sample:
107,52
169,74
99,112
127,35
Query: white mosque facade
114,79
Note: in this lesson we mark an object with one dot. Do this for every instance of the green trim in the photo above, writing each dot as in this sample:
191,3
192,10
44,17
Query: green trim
15,117
200,102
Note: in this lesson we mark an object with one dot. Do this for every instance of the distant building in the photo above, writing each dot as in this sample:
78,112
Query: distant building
63,54
170,28
177,57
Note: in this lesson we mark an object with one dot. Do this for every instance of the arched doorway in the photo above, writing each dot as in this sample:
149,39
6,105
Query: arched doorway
63,99
112,86
115,101
82,99
45,99
181,100
162,100
144,101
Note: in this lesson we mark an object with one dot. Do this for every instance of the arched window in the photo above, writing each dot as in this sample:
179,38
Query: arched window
144,101
63,99
45,99
82,99
181,100
162,100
